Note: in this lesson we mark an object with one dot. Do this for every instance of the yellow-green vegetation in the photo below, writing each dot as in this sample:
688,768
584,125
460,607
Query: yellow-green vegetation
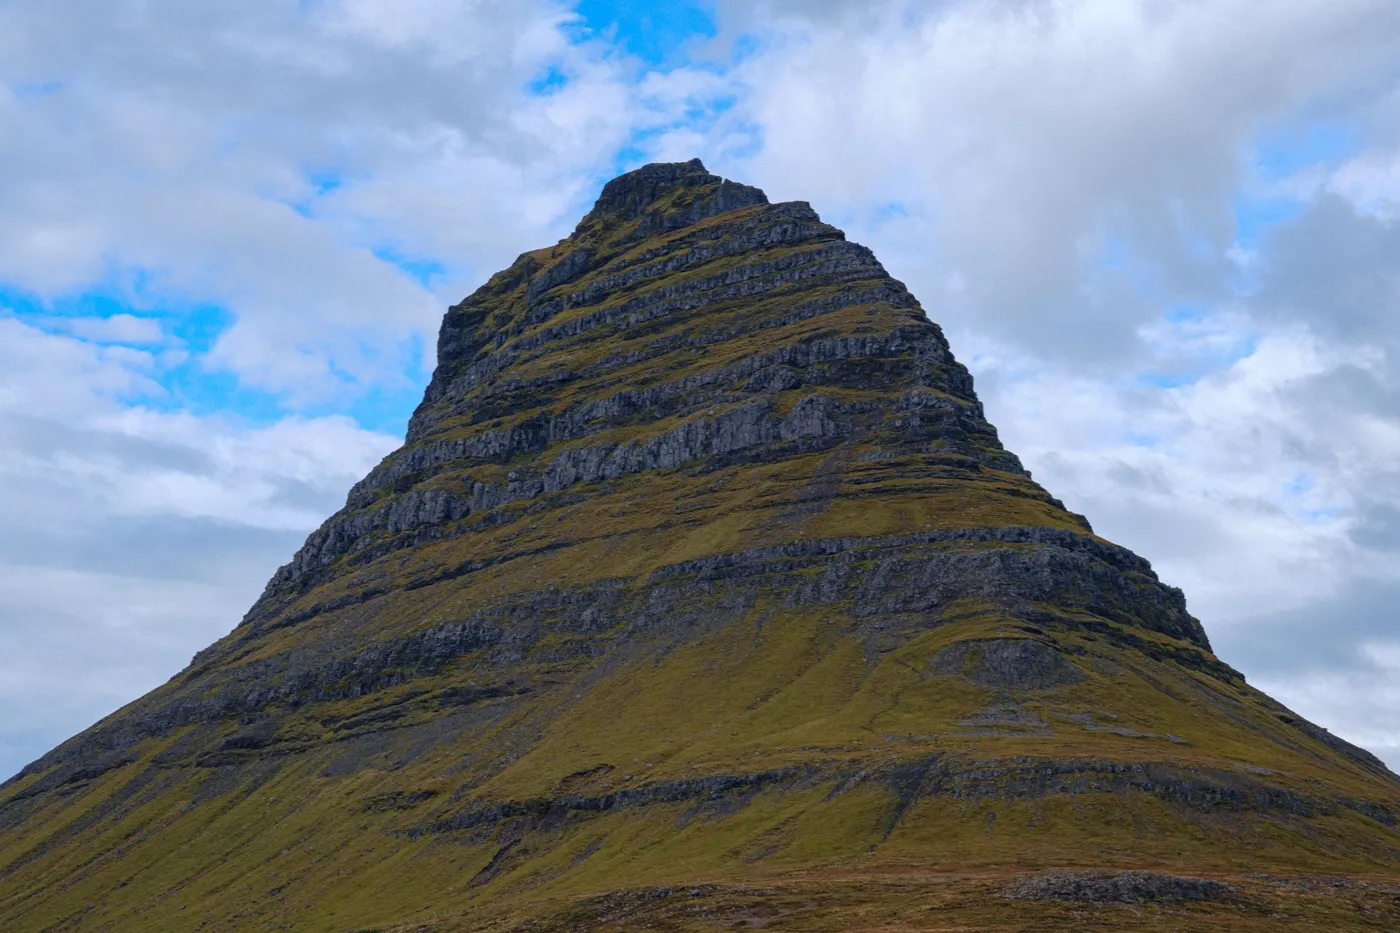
702,597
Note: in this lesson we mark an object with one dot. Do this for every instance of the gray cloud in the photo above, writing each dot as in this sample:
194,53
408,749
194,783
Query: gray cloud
78,644
1335,269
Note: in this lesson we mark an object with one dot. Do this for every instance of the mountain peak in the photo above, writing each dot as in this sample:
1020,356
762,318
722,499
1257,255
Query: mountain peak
634,193
702,594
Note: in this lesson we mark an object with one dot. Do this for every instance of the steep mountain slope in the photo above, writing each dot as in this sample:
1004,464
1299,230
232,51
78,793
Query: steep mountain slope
702,595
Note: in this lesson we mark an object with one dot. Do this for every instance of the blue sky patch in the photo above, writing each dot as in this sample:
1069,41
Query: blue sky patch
384,408
1274,159
551,80
200,326
657,33
1149,441
32,90
186,383
424,271
200,391
890,210
1201,341
1170,380
44,313
1284,153
1255,216
193,386
1300,485
321,184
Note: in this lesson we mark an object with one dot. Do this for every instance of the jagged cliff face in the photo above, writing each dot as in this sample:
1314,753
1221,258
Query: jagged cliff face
700,566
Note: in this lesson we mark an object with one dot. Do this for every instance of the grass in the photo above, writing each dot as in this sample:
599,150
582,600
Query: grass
775,690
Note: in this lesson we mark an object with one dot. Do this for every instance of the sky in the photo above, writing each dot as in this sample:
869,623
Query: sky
1164,235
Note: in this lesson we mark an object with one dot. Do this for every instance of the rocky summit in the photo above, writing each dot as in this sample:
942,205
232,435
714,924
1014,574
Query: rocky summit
702,596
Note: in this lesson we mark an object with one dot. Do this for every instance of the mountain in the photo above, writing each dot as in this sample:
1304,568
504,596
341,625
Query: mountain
702,596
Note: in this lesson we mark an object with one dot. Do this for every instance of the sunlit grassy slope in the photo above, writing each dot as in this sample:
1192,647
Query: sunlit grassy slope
701,597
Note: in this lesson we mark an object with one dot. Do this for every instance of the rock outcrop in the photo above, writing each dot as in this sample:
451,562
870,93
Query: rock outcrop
700,569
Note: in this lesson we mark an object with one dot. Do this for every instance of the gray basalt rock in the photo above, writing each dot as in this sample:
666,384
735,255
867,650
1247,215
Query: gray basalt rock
1007,663
1129,887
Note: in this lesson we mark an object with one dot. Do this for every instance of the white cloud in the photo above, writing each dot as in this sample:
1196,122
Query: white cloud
1371,182
1036,135
132,536
119,328
189,150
